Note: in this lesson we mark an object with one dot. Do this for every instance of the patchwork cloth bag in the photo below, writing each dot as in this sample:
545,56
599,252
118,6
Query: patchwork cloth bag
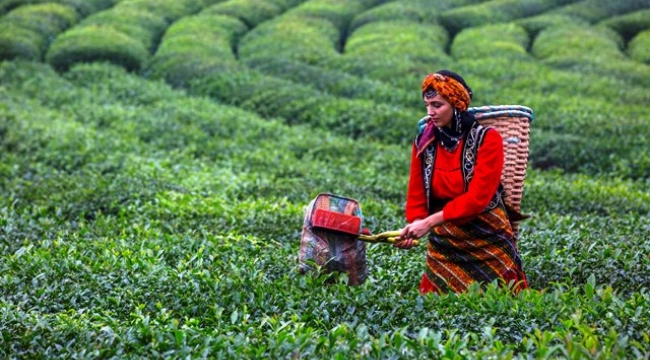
333,250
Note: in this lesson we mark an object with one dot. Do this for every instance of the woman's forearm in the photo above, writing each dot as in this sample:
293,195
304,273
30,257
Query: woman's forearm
435,219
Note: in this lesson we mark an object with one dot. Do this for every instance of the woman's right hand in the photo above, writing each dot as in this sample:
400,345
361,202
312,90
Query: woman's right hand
407,236
417,229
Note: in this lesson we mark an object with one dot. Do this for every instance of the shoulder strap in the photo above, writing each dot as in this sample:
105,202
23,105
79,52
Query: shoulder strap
474,139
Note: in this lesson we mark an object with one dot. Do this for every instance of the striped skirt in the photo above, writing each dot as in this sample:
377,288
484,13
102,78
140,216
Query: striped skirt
481,250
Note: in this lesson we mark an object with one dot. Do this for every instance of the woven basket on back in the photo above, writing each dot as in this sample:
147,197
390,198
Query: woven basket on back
513,123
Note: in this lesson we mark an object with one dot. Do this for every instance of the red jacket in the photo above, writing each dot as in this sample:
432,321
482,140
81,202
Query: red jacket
448,183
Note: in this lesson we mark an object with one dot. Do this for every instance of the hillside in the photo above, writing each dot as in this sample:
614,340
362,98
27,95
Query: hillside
157,157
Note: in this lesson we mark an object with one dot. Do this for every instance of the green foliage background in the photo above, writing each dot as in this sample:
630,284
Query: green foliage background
156,157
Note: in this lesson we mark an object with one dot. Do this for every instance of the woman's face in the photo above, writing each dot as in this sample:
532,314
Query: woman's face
439,110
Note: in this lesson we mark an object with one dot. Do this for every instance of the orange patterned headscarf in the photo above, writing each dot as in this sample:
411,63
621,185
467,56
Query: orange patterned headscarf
449,88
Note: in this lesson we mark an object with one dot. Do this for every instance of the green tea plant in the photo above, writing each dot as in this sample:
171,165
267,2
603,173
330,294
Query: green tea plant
411,52
251,12
309,40
83,7
152,207
410,10
495,11
537,23
630,24
502,40
638,48
208,38
136,27
27,30
597,10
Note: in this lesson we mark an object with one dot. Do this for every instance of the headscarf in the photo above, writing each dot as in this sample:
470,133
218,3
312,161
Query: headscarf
444,82
455,90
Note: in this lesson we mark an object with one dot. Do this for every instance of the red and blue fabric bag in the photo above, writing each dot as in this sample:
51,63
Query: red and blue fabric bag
329,238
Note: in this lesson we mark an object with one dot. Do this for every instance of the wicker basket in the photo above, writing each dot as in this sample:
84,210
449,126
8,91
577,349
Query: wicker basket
513,123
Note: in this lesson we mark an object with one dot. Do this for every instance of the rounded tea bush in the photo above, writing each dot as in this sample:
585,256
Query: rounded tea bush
578,42
394,52
83,7
420,42
170,10
309,40
251,12
499,40
285,4
94,43
592,50
629,25
27,30
639,47
19,43
535,24
413,11
597,10
138,24
48,19
194,45
334,81
495,11
340,14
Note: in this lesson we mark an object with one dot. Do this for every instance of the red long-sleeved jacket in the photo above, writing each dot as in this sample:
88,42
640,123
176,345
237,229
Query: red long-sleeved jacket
448,183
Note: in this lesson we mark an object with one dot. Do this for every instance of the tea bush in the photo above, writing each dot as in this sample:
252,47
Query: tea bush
495,11
577,42
410,10
96,43
406,56
209,39
28,29
141,25
593,50
309,40
507,40
211,36
630,24
334,82
251,12
597,10
83,7
535,24
131,27
638,47
303,105
19,43
144,220
340,14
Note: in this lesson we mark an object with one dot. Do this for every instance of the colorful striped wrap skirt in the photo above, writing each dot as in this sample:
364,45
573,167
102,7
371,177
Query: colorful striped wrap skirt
480,250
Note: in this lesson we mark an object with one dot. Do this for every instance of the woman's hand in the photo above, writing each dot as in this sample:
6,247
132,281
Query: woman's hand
416,230
412,232
404,244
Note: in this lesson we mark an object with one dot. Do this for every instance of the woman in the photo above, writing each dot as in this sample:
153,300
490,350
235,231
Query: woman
454,195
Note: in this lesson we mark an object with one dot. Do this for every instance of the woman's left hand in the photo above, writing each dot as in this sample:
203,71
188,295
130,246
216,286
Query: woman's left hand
410,233
416,229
